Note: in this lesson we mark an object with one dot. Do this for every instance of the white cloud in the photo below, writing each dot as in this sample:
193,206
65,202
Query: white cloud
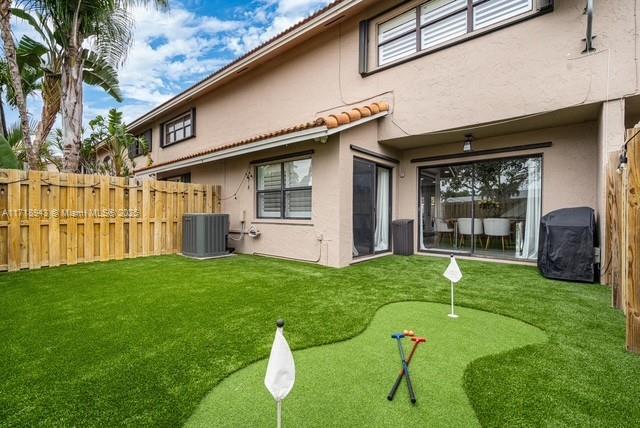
274,18
175,48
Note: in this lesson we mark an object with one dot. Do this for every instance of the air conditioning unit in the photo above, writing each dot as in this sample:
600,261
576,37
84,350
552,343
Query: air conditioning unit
205,235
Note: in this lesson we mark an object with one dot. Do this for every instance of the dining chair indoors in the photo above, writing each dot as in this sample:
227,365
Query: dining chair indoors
498,228
464,229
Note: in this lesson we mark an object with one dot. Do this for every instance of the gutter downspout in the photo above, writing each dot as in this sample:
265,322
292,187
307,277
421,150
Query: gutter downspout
589,36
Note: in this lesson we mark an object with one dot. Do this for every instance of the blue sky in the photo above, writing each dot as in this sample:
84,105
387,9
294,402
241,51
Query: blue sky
174,49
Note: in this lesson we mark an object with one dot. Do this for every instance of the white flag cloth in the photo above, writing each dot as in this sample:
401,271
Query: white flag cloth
281,370
453,273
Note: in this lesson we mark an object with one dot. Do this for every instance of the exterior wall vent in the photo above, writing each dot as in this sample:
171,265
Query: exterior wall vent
205,235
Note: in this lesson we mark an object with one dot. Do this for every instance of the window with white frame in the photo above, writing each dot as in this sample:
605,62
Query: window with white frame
283,189
436,22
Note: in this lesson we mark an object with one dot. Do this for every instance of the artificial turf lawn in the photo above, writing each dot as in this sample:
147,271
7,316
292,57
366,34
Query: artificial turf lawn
141,342
346,383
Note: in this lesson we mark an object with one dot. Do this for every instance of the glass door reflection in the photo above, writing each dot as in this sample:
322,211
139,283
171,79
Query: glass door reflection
488,207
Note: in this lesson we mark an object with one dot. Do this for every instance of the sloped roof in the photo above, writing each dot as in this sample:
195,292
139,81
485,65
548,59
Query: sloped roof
332,121
325,10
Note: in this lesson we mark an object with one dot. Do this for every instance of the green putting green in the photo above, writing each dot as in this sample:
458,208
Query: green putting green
346,383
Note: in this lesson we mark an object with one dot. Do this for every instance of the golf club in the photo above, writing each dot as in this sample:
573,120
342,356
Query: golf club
394,388
398,337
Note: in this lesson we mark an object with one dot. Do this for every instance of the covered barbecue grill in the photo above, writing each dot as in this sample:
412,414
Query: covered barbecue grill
567,244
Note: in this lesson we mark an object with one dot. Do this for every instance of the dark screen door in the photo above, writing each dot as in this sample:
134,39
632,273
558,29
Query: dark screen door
364,207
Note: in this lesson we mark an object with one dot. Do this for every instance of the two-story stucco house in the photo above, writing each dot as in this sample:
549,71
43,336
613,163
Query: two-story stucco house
473,118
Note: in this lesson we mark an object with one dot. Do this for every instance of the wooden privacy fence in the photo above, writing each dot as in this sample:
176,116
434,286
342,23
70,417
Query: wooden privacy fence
621,268
49,219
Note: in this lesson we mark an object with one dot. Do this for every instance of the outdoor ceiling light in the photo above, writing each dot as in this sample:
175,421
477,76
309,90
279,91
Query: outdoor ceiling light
468,140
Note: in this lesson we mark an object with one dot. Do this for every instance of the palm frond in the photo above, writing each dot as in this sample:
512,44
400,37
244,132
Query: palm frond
98,72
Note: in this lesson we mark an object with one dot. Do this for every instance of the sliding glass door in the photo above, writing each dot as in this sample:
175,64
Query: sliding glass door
490,207
371,208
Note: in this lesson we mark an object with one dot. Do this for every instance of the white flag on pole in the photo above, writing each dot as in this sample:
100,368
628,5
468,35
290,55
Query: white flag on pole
453,273
281,370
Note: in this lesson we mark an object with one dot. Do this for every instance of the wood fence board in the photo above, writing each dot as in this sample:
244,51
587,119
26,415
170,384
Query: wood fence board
72,221
158,194
611,274
119,244
104,219
632,291
146,212
89,225
54,219
34,243
133,219
170,215
13,207
59,218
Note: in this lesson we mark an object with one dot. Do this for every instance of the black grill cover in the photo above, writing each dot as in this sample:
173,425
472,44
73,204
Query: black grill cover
566,248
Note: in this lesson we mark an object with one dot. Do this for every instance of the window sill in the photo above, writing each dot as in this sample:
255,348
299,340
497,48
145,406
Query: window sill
289,222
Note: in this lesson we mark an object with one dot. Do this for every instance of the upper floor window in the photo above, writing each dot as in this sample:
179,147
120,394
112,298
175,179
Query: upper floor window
284,189
183,178
137,149
436,22
179,128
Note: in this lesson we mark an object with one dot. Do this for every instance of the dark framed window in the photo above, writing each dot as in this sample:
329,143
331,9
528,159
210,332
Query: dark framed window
179,129
435,24
136,149
183,178
283,189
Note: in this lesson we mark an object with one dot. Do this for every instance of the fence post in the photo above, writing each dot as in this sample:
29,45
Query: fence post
632,292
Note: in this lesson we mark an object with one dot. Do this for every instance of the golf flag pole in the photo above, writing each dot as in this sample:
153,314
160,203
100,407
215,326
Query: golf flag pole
453,274
281,370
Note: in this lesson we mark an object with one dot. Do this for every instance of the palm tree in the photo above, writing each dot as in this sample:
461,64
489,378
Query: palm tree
8,157
14,142
106,27
14,70
46,57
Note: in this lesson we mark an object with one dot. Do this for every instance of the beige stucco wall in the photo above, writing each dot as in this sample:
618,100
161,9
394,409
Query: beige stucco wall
313,240
569,179
569,166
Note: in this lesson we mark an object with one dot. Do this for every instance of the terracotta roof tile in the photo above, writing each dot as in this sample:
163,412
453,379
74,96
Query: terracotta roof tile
331,121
